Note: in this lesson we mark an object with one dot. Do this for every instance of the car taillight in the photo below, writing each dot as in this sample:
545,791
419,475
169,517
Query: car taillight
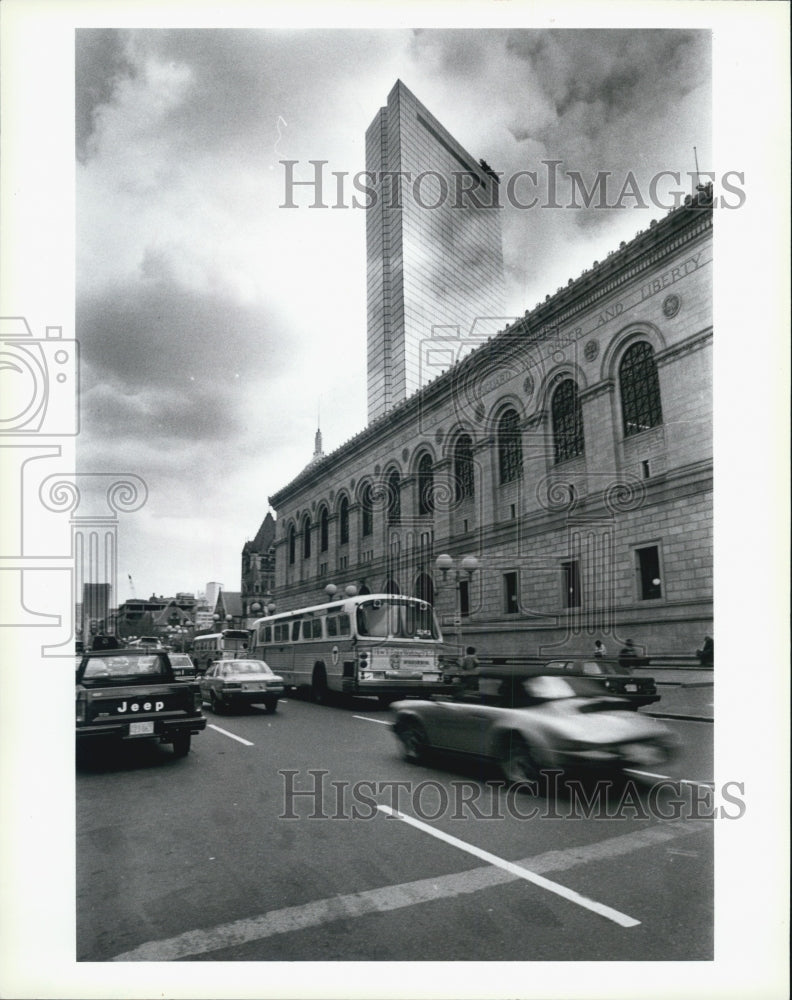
197,700
80,708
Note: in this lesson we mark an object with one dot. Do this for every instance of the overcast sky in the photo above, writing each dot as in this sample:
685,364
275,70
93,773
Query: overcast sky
216,326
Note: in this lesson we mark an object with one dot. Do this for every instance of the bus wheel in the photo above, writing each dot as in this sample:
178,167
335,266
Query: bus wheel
319,686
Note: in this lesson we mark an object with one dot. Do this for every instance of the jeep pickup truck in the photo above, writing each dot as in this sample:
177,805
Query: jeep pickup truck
132,694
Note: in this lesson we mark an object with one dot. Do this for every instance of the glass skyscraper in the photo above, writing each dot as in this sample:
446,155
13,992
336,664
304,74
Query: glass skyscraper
435,284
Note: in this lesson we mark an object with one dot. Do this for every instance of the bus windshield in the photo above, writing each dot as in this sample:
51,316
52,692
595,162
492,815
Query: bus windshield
396,619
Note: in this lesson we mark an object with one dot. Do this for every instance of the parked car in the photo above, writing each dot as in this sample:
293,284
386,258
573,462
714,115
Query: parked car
535,722
182,665
611,678
230,683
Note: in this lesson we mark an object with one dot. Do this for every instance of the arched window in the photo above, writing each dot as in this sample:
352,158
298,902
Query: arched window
424,588
394,497
324,524
306,546
366,511
567,418
343,521
464,483
509,447
292,544
640,389
391,587
425,485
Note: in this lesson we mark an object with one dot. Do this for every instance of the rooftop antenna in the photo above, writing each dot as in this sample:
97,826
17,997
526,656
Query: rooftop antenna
699,185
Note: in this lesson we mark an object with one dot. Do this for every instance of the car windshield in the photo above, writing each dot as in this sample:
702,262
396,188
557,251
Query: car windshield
383,618
118,666
180,660
247,667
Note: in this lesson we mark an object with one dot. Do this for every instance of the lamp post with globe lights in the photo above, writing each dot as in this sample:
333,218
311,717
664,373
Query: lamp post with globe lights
461,574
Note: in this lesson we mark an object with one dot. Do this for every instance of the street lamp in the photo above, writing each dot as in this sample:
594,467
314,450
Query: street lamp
461,574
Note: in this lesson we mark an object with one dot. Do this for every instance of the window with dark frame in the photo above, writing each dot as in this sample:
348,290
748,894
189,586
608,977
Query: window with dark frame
425,485
510,459
464,597
324,522
292,544
394,497
640,389
570,582
511,593
567,421
306,546
343,522
366,511
464,483
647,571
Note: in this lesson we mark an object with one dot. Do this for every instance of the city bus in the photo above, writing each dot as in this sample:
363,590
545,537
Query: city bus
225,645
385,645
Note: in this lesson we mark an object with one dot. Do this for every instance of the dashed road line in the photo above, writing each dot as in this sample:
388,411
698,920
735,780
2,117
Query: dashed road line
365,718
225,732
394,897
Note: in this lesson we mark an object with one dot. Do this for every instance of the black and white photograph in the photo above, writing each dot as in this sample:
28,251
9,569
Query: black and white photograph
370,453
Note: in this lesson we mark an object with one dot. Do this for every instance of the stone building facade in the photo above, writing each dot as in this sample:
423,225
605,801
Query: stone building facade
571,455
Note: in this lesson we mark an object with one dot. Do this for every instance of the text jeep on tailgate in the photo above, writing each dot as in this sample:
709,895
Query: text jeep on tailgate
132,694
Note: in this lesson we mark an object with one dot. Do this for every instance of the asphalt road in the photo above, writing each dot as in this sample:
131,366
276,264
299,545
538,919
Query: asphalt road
214,858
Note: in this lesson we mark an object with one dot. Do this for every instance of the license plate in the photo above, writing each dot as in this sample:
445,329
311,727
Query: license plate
252,687
429,677
141,728
631,687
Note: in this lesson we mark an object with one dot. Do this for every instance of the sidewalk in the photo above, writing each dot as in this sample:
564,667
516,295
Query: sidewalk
685,693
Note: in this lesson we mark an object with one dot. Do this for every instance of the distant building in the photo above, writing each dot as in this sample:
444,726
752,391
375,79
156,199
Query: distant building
258,565
96,604
435,265
571,455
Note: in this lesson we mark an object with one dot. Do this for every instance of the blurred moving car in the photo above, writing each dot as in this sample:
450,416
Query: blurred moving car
230,683
182,666
533,723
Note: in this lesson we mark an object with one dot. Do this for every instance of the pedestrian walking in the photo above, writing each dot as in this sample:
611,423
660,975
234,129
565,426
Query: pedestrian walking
599,649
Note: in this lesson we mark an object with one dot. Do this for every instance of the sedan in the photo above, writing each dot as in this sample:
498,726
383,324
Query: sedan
536,723
231,683
183,666
612,679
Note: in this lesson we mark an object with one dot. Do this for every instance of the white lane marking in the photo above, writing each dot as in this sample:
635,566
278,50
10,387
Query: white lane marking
225,732
395,897
668,777
365,718
560,890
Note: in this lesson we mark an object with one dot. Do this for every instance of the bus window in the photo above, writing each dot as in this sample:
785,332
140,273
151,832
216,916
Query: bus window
281,632
268,634
332,626
343,624
316,628
295,630
306,629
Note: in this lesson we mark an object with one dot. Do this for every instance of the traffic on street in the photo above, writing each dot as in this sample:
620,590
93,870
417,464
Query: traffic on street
307,834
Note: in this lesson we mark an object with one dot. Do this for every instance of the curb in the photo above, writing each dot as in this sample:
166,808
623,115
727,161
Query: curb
684,718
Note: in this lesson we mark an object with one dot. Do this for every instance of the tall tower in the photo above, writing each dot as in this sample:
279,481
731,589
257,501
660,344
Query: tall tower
434,257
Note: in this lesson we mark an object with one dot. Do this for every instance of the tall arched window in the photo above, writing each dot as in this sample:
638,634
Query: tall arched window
366,511
509,447
343,521
306,545
324,525
567,418
464,483
640,389
394,497
425,485
292,544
